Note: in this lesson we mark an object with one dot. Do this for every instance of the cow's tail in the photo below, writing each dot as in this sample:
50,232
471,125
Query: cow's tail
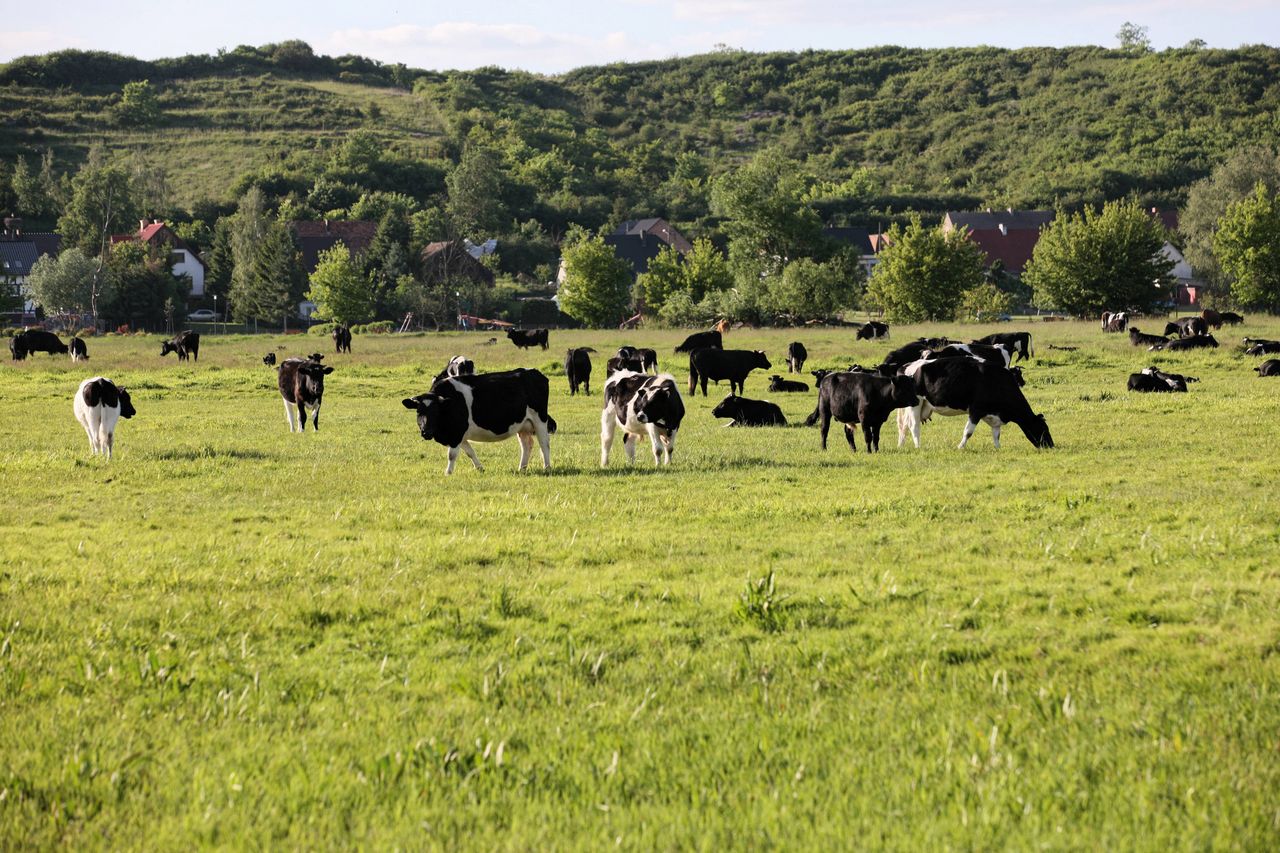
551,424
824,417
693,375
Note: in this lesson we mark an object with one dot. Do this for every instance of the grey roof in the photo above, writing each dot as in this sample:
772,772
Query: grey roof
17,257
1012,220
859,238
47,243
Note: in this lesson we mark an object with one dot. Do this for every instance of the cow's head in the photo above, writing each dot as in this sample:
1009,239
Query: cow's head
904,392
1171,329
126,405
660,406
729,407
311,376
1038,432
761,361
167,347
429,407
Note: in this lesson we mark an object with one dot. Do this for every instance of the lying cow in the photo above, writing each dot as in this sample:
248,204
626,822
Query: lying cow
872,331
1018,343
1261,346
1155,380
779,385
718,364
1187,327
749,413
982,390
862,398
527,338
701,340
577,367
459,365
1195,342
341,339
98,405
79,352
1138,339
1270,367
185,344
301,383
796,357
641,405
487,407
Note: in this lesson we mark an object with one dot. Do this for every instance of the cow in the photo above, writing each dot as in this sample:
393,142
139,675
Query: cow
872,331
648,358
527,338
997,354
1231,318
619,362
1259,346
577,367
301,382
1018,343
982,390
862,398
98,405
796,356
36,340
1139,339
341,339
1187,327
702,340
16,350
1114,322
908,353
749,413
641,405
459,365
1195,342
315,356
1270,367
1153,379
487,407
718,364
185,344
779,385
1211,318
79,352
269,359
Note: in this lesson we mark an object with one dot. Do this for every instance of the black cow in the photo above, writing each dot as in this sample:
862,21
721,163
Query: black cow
980,389
641,405
487,407
862,398
1257,347
647,358
904,355
796,356
301,382
749,413
1231,318
1194,342
618,362
1114,322
16,351
577,367
1270,367
779,385
718,364
1139,339
79,352
459,365
341,339
701,340
269,359
1018,343
872,331
1153,379
1187,327
185,344
526,338
36,340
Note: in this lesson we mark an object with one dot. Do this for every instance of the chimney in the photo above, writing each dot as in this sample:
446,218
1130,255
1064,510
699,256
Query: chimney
1004,230
326,226
1010,210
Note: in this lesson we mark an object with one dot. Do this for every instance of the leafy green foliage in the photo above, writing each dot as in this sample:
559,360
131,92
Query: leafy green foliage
924,273
1208,199
596,288
342,293
64,283
986,301
703,270
808,290
138,105
1248,246
143,293
102,202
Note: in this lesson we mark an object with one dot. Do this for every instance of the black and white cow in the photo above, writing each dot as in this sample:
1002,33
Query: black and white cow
872,331
982,390
79,352
718,364
185,344
98,405
796,357
577,369
702,340
1270,367
908,353
527,338
301,383
1231,318
1155,380
1187,327
1018,343
269,359
1194,342
1260,346
779,385
341,339
487,407
1114,321
31,341
620,362
459,365
647,358
862,398
749,413
1139,339
641,404
996,354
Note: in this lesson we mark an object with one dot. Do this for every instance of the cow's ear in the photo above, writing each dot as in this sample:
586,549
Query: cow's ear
410,403
327,370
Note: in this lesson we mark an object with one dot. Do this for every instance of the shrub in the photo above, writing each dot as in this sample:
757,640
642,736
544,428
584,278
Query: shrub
325,329
380,327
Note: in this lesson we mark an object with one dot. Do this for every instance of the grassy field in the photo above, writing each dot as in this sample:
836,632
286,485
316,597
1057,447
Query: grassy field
235,636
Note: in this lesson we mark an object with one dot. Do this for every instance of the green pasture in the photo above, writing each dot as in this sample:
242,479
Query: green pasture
233,636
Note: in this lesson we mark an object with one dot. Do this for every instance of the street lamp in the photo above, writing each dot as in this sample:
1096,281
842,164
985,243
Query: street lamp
215,312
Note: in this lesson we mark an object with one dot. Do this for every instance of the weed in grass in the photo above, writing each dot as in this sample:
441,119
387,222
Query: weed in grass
761,606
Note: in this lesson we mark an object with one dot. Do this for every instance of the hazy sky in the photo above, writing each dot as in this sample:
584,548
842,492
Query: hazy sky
556,35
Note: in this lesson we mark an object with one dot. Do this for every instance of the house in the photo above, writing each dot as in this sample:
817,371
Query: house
1187,289
186,261
314,237
1008,236
451,259
18,253
861,239
638,241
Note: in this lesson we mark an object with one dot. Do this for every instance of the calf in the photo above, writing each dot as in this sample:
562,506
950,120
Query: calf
341,339
269,359
1138,339
459,365
79,352
982,390
527,338
862,398
1211,318
641,405
749,413
36,340
1018,343
718,364
185,344
872,331
1231,318
1114,322
702,340
779,385
301,383
1187,327
98,405
577,367
1196,342
796,356
487,407
1270,367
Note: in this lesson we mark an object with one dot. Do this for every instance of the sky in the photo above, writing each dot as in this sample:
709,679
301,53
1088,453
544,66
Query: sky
551,36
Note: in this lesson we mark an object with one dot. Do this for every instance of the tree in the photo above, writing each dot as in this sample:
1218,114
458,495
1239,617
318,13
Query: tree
217,279
277,274
596,284
387,258
1133,38
703,270
102,201
767,219
986,301
138,106
808,290
143,289
1248,245
475,205
64,284
342,293
923,273
1208,199
248,231
1107,260
31,191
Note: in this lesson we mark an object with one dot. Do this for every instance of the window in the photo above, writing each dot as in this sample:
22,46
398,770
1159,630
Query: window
178,256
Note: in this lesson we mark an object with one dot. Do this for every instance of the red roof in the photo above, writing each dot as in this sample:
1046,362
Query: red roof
318,236
156,233
1012,249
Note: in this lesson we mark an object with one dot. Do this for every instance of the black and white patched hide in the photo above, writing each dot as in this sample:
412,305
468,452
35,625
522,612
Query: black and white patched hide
99,403
982,390
459,365
640,404
301,383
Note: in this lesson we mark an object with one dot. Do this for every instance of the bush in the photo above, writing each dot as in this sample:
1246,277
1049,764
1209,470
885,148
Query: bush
324,329
381,327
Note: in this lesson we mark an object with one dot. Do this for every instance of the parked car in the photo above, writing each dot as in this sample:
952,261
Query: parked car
202,315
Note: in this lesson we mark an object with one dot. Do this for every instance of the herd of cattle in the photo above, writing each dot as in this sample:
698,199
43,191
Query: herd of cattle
977,379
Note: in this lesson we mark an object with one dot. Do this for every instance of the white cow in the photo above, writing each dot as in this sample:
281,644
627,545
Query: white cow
98,405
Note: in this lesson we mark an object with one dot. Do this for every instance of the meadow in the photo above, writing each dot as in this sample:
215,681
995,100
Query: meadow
235,636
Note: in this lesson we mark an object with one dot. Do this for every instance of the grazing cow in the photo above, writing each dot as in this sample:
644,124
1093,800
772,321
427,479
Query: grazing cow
779,385
1231,318
872,331
577,366
749,413
1211,318
618,362
1138,339
1018,343
1195,342
1259,346
702,340
718,364
796,356
269,359
79,352
1153,379
1114,322
16,350
301,382
647,358
36,340
342,339
459,365
862,398
982,390
185,344
984,352
487,407
1187,327
642,405
527,338
98,405
1270,367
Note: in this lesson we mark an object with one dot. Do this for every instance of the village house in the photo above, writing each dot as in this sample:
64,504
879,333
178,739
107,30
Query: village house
314,237
19,251
1008,236
160,237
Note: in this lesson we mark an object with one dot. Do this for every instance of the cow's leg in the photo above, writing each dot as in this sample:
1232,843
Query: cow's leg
904,423
471,452
453,459
656,442
544,443
629,445
288,414
848,436
995,435
607,426
869,436
108,441
969,426
526,447
315,417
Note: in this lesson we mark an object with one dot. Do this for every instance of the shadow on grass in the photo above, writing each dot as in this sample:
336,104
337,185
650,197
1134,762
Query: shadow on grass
197,453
